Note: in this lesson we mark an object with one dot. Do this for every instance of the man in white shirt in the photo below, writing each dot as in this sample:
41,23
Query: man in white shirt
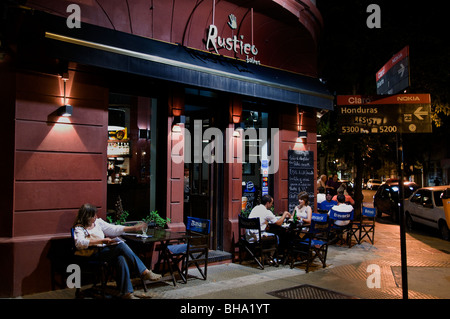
342,207
265,215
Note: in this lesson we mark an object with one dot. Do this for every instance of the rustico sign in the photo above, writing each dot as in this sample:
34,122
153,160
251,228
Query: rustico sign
235,43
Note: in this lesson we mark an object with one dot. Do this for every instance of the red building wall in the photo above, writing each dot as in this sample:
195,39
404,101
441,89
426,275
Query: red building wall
59,164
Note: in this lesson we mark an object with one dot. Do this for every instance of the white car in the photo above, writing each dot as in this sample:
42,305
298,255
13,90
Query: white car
373,184
425,207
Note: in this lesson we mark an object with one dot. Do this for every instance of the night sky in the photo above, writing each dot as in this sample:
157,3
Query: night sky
351,53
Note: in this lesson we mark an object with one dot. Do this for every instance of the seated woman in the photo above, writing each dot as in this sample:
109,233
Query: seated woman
302,210
92,231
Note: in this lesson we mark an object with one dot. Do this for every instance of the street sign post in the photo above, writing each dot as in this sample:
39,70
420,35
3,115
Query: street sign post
393,77
401,113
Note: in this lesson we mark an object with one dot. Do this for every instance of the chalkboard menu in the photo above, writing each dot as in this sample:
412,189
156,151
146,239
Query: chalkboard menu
301,176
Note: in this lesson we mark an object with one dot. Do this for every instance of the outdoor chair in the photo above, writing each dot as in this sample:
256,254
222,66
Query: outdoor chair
90,267
340,231
311,243
263,247
194,251
367,224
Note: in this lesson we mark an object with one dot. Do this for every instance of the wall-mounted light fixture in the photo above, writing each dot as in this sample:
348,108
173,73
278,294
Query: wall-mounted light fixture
319,138
177,120
303,134
66,110
238,128
144,134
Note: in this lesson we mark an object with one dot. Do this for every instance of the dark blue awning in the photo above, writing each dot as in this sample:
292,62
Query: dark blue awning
106,48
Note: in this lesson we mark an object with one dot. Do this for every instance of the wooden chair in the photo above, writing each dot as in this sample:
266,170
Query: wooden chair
263,247
311,243
194,251
341,230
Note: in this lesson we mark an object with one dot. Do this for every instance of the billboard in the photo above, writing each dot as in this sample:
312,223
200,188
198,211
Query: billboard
393,77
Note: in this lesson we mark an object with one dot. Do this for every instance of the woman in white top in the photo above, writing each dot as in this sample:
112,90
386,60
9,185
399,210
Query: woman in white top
90,231
302,210
322,181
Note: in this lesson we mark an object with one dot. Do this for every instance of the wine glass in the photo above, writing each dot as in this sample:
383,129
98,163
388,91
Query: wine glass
144,230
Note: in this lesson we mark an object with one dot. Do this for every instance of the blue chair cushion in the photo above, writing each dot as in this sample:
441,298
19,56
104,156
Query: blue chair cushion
177,249
313,243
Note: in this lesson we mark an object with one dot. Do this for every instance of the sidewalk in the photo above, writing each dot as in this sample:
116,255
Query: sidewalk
345,276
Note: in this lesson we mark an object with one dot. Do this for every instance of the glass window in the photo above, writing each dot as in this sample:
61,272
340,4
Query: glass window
129,156
417,197
427,199
253,181
438,198
409,190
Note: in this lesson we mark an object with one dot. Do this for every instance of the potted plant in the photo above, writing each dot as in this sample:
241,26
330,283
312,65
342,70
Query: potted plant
120,216
154,220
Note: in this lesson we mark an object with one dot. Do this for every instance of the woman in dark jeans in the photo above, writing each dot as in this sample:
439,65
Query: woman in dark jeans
90,231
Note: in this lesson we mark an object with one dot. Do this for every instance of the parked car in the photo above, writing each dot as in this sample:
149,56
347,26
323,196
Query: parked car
373,184
386,200
425,207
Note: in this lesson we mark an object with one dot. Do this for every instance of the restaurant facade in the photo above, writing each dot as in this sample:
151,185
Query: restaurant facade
183,107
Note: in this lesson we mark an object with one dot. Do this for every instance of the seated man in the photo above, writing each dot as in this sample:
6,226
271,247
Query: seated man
327,203
265,215
343,208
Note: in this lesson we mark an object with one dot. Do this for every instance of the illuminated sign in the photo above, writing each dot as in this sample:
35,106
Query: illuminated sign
393,77
403,113
235,44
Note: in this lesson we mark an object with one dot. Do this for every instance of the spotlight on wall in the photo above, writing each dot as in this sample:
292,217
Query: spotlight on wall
177,120
303,134
66,110
144,134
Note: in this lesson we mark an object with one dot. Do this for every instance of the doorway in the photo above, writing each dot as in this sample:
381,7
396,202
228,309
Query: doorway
203,178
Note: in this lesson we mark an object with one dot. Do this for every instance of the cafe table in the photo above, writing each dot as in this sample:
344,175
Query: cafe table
146,245
286,232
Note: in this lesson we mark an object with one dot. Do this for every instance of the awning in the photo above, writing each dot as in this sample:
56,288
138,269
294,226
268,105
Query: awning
110,49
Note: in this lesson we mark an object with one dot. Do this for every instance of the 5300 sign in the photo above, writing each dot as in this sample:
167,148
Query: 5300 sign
349,129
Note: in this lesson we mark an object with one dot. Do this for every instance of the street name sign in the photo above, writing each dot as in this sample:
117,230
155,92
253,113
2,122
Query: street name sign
401,113
393,77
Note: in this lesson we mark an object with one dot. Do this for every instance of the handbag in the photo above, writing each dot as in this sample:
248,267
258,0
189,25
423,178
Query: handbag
87,252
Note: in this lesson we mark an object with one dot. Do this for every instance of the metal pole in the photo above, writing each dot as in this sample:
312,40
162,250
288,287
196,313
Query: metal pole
402,219
213,11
